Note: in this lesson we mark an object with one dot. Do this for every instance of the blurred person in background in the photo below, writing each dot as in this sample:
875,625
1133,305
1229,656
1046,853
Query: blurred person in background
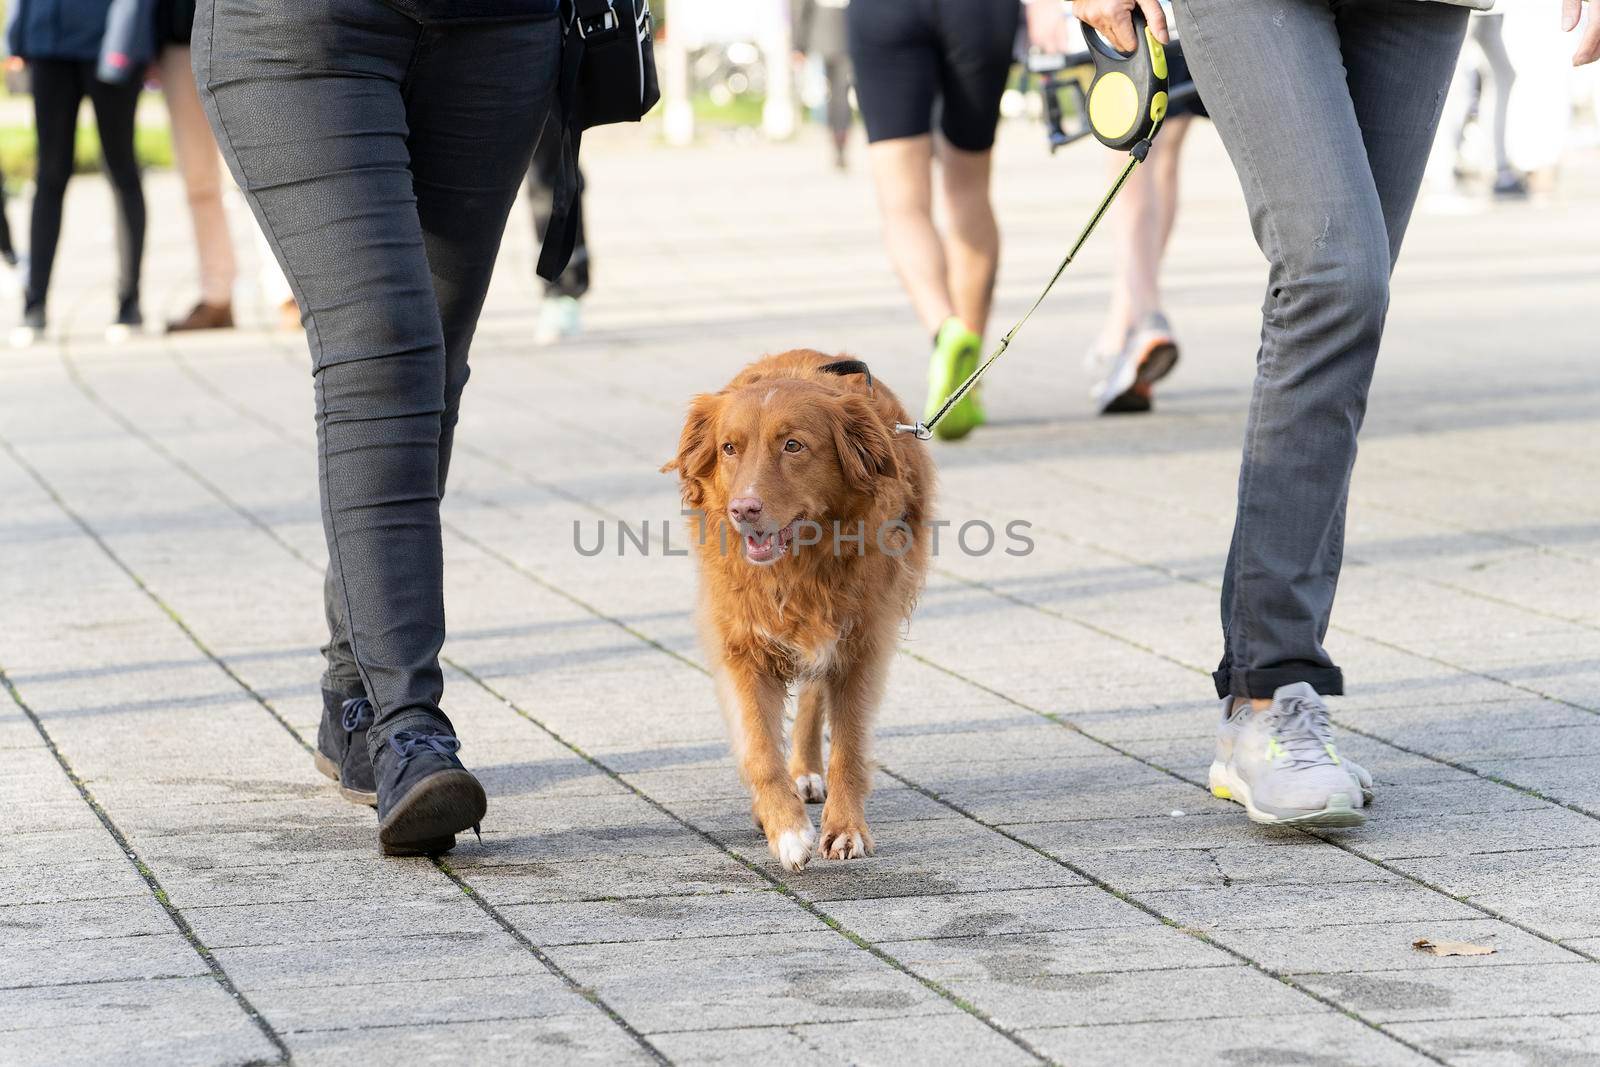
195,151
821,32
1482,87
559,313
16,81
62,42
920,64
1136,346
8,250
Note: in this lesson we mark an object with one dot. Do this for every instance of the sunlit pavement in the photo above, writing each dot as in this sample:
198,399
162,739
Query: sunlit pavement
1054,882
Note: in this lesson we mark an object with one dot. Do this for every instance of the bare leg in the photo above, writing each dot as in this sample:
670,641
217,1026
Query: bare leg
902,171
973,244
1142,220
201,169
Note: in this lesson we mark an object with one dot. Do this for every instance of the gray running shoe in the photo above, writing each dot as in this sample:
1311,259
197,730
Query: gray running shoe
1282,764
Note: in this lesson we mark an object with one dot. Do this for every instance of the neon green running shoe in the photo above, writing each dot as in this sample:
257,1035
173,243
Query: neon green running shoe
956,351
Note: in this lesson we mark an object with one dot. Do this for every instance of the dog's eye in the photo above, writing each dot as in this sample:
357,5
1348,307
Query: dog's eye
791,445
728,449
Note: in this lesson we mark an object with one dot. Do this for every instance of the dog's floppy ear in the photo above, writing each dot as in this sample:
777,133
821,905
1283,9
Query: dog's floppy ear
697,447
865,447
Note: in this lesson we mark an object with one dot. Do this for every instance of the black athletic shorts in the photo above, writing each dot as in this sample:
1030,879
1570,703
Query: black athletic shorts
913,55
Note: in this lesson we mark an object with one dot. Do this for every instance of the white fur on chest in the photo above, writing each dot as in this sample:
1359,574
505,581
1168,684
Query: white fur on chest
808,663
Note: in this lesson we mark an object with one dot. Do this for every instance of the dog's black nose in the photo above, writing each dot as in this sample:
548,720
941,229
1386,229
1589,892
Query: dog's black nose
744,509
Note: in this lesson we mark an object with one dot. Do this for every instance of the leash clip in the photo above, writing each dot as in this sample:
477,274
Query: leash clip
919,431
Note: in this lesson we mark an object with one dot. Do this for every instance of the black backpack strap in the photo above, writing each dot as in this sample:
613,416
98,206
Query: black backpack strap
561,235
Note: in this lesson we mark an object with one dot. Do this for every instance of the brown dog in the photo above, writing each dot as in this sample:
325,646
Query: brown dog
812,539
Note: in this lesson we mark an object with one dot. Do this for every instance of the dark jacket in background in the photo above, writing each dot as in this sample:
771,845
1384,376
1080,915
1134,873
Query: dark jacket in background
117,35
57,29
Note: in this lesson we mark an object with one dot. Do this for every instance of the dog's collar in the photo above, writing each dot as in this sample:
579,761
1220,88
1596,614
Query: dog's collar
848,366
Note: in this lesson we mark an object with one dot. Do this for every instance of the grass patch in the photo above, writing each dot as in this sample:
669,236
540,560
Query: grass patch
741,110
19,160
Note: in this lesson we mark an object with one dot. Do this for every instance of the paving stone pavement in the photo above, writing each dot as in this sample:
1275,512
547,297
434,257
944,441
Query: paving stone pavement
1054,883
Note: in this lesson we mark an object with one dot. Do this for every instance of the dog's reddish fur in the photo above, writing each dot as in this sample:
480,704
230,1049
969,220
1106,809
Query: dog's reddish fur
824,617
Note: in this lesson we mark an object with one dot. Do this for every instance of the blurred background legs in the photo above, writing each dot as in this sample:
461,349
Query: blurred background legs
1136,346
59,87
559,316
821,34
194,151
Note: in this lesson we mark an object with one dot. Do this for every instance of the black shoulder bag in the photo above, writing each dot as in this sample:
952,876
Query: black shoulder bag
608,74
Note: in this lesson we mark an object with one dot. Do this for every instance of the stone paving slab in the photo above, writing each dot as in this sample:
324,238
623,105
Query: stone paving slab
720,982
1035,898
183,1020
933,1039
563,1038
1465,993
1382,946
994,912
63,923
1328,1039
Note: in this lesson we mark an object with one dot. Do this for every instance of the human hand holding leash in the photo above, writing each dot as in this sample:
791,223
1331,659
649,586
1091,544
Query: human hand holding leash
1113,20
1589,40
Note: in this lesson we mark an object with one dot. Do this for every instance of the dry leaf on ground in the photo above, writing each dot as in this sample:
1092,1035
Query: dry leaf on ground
1441,946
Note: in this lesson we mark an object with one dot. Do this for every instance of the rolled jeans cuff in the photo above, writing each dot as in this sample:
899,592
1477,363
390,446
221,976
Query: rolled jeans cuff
1260,685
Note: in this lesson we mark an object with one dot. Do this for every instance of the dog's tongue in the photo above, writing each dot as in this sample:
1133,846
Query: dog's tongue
760,546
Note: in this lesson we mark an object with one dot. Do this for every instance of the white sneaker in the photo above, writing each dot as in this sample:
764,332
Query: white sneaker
1281,764
558,320
1123,379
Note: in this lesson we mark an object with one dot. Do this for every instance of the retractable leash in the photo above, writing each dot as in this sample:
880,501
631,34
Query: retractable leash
1127,100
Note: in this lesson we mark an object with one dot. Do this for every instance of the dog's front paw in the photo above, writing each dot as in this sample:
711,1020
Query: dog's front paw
810,788
846,840
793,848
783,819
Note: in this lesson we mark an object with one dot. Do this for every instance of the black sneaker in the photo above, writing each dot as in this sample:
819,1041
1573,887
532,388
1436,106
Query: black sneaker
424,794
342,746
1509,185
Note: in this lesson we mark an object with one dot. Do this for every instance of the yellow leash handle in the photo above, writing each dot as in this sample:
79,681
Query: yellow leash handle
1128,96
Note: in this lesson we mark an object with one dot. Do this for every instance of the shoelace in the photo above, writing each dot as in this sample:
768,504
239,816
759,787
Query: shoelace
356,714
411,743
1302,730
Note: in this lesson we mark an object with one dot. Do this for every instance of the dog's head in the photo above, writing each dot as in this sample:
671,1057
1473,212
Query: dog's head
769,456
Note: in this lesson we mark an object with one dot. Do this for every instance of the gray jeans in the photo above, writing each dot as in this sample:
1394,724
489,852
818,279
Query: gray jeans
1328,109
381,148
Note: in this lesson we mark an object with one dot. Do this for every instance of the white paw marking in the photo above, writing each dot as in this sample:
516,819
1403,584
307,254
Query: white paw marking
811,788
794,848
847,847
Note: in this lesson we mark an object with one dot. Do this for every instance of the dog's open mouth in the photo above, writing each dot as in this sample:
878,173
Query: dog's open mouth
767,548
